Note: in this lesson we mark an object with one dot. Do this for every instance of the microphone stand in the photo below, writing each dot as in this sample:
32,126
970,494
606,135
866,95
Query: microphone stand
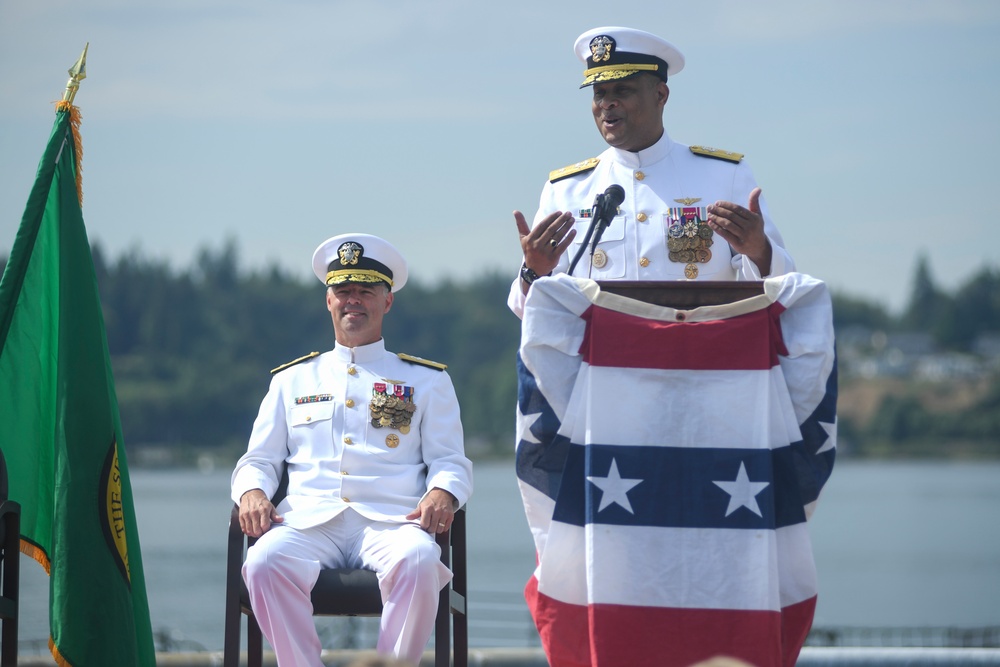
602,223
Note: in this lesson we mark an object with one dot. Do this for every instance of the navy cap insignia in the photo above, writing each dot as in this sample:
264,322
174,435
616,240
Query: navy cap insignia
601,48
350,253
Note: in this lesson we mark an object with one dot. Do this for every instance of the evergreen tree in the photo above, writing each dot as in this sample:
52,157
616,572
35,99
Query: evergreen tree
191,350
927,303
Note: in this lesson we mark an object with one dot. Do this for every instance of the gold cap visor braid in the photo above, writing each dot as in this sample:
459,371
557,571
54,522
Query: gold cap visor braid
614,73
356,276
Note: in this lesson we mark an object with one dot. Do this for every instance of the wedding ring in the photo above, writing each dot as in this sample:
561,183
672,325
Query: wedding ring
441,524
553,242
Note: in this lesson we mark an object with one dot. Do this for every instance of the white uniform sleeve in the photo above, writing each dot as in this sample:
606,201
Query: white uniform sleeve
442,441
260,467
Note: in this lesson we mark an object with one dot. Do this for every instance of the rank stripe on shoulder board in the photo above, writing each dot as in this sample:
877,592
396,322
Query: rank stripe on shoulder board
573,169
423,362
293,362
718,154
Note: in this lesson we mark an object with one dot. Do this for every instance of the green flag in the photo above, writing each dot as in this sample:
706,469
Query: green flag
59,426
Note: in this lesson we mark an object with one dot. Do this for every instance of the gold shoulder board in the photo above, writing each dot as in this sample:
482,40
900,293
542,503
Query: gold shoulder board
423,362
293,362
729,156
573,169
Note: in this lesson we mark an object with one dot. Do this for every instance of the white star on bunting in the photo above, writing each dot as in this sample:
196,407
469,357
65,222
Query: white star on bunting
831,436
614,489
742,492
524,424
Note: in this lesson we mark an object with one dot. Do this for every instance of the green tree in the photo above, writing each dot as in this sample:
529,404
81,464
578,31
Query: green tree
929,307
976,309
853,311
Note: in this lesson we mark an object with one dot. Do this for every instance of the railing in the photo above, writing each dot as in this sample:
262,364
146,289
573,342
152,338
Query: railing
500,619
926,637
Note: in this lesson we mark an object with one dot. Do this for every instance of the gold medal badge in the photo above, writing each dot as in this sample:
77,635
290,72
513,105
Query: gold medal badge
688,236
392,406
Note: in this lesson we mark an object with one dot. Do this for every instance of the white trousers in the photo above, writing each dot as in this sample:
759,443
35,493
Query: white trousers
282,567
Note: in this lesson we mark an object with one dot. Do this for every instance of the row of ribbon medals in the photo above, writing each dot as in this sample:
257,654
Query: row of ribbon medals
689,239
392,406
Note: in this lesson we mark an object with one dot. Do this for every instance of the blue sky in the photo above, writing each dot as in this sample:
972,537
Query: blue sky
871,125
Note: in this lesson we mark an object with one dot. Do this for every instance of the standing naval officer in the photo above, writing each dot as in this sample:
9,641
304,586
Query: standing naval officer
372,443
688,212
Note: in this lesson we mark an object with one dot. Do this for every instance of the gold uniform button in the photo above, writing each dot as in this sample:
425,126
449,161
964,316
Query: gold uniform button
348,441
351,370
644,262
346,499
309,418
641,217
349,402
343,472
639,175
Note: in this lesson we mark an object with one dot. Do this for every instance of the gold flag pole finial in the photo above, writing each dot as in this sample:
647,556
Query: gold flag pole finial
77,73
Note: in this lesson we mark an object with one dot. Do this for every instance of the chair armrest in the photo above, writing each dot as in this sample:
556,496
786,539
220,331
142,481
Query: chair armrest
234,558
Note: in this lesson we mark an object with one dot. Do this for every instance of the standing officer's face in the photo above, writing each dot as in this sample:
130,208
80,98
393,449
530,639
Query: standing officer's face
629,113
357,310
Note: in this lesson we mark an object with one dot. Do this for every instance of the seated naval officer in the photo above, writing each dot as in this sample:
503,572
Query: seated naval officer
688,212
373,445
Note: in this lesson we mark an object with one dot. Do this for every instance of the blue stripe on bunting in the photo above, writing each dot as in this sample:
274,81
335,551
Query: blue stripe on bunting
677,488
539,464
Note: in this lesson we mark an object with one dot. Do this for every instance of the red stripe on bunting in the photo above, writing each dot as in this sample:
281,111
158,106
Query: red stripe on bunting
748,342
604,635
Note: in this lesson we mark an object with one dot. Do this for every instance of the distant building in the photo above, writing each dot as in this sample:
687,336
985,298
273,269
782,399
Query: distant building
868,353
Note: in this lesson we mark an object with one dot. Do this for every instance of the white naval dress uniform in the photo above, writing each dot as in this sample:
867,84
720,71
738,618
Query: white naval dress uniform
657,181
350,487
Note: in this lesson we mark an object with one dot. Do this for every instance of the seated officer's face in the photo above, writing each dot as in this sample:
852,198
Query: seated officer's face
629,112
357,310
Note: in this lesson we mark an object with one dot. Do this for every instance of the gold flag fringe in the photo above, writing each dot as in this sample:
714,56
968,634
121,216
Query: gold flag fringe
34,551
74,121
57,656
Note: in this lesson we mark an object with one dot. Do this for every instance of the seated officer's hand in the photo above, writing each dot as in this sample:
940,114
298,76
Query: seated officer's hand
436,511
257,513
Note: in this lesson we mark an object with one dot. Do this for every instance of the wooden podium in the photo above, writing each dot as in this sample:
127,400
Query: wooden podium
684,294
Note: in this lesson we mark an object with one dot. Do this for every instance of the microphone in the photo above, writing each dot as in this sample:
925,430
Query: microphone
604,210
609,203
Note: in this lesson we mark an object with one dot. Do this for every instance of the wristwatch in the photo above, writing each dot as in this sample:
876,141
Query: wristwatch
529,276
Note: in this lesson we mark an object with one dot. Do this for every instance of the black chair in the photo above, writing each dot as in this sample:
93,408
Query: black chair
348,592
10,563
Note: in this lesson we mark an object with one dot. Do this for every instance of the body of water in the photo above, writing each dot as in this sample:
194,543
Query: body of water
896,545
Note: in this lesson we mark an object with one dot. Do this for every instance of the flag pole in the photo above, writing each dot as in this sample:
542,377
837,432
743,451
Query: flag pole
77,73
